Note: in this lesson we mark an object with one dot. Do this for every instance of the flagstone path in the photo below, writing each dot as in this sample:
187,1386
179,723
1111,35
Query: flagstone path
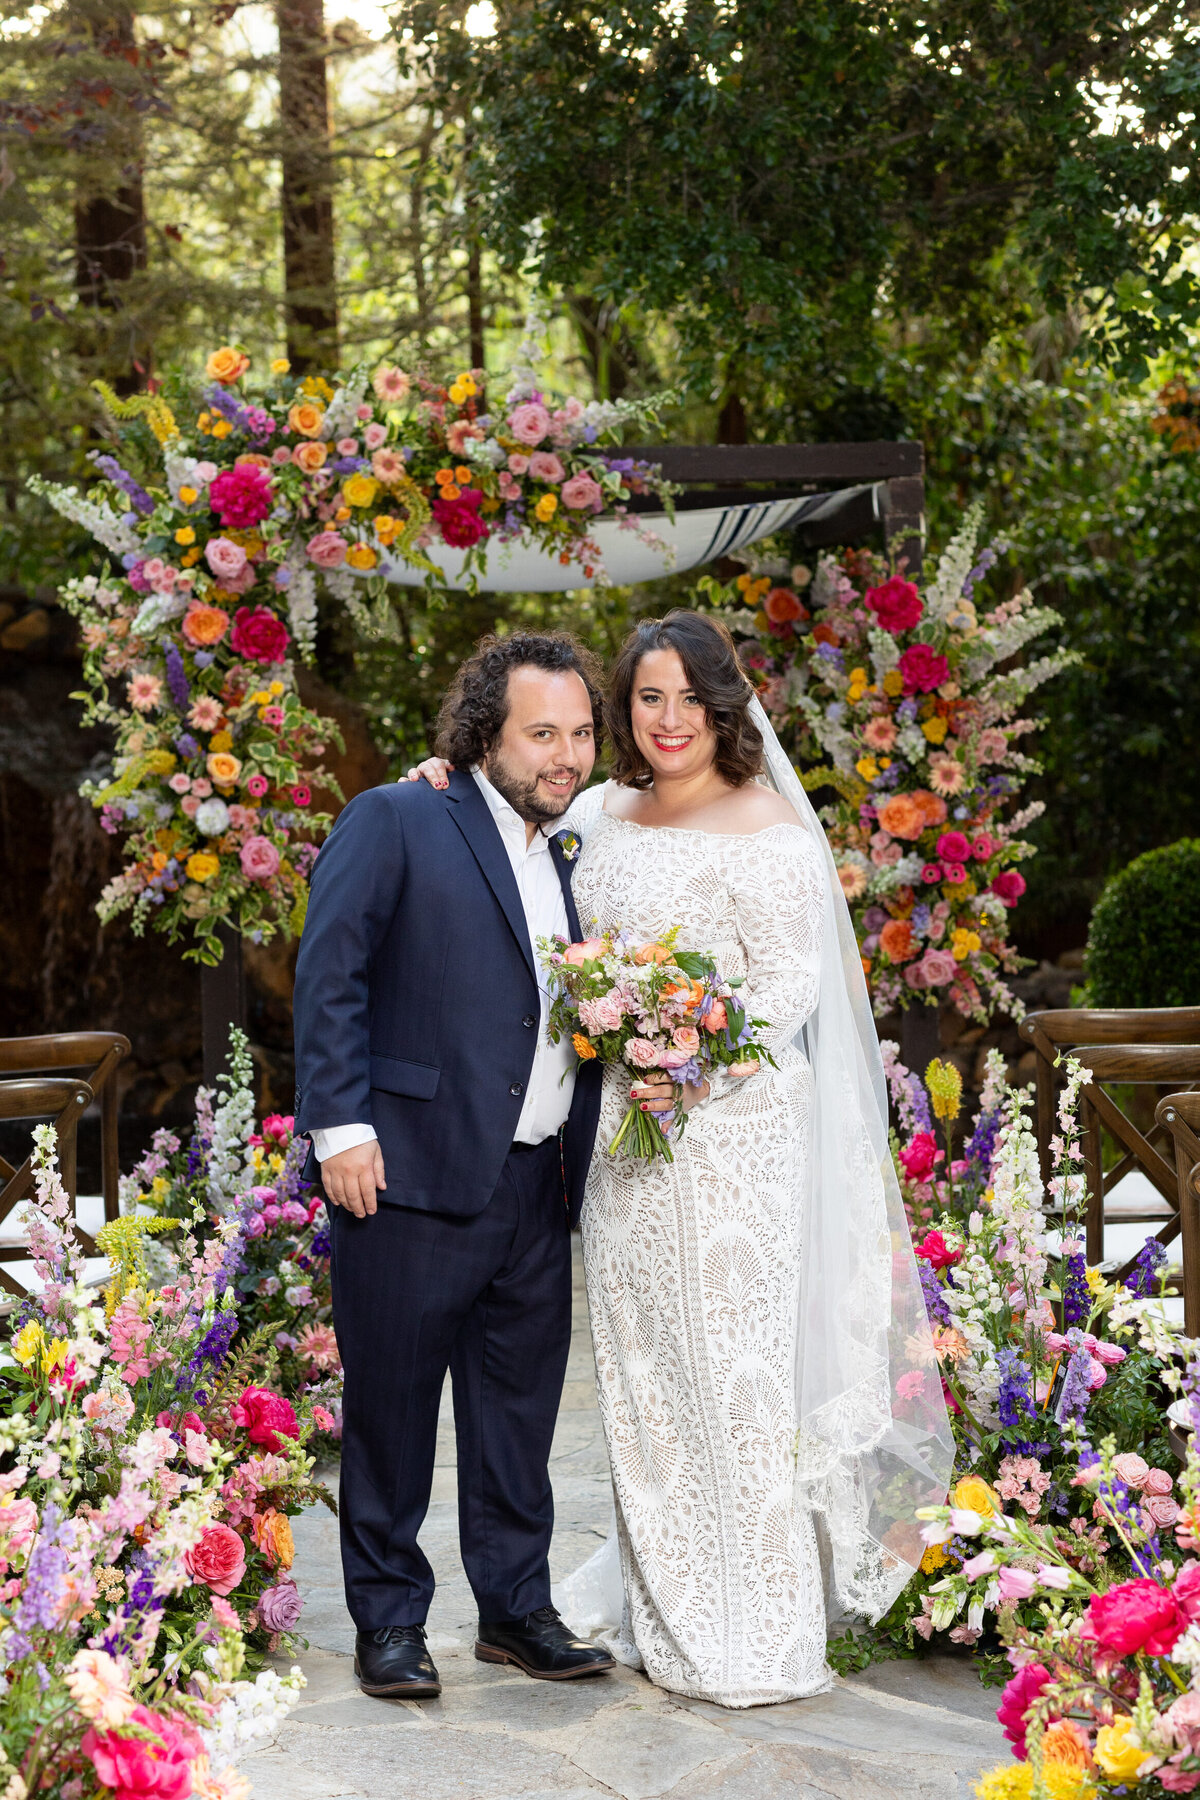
900,1731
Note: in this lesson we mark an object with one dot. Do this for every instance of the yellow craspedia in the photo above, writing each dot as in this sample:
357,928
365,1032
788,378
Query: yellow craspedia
893,682
973,1494
935,730
1118,1751
28,1344
202,865
361,556
360,490
546,508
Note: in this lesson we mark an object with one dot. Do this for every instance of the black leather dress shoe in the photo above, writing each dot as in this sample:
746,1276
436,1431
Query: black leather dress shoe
394,1664
541,1645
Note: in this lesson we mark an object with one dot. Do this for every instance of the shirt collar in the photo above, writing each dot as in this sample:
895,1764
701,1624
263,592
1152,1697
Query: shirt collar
507,817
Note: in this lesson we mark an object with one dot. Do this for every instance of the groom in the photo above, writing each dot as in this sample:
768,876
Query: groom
454,1141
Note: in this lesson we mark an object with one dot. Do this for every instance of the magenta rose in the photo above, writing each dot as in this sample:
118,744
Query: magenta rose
242,497
582,494
259,636
922,669
1025,1687
1008,886
157,1768
952,846
529,423
225,558
280,1606
218,1560
327,549
940,967
459,520
1137,1615
896,605
259,859
266,1417
919,1157
545,466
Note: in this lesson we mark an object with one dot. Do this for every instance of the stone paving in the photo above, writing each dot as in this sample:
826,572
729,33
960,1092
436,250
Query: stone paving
917,1730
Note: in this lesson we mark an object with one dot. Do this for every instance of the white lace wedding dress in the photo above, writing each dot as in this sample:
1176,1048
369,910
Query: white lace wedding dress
693,1276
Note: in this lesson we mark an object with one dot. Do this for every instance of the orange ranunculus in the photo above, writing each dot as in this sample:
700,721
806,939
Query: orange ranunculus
205,624
933,810
387,529
716,1018
310,456
781,605
1064,1742
902,817
651,953
896,940
223,768
584,1049
273,1536
693,989
825,634
306,418
226,365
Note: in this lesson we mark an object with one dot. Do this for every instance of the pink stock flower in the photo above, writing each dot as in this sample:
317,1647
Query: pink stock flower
223,1614
128,1333
529,423
992,745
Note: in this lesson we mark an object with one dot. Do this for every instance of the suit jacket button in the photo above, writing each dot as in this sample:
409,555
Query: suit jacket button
517,1089
529,1021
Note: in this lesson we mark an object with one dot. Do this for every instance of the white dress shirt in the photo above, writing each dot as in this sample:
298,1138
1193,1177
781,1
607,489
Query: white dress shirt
552,1079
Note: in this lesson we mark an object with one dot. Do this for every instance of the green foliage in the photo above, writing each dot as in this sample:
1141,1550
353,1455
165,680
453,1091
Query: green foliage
1144,944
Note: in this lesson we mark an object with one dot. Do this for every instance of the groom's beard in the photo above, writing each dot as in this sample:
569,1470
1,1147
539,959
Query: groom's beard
527,799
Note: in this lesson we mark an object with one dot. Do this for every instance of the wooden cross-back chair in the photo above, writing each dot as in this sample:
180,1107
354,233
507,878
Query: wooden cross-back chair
93,1054
1157,1047
1180,1115
63,1101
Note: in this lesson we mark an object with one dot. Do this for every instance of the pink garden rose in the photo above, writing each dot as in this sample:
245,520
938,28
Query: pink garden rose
922,669
219,1559
225,558
919,1158
529,423
1137,1615
518,463
1161,1510
953,847
259,635
327,549
1155,1481
939,967
641,1053
1008,886
545,466
142,1768
1131,1468
686,1038
259,859
241,496
992,745
582,494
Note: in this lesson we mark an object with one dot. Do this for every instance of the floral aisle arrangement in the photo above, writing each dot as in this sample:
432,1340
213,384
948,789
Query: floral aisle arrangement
905,703
228,511
145,1544
932,1178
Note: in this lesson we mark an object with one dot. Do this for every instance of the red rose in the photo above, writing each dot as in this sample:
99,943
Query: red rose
267,1417
952,846
241,497
459,520
219,1559
1016,1700
259,636
897,604
1137,1615
920,1157
922,669
138,1768
1008,886
935,1250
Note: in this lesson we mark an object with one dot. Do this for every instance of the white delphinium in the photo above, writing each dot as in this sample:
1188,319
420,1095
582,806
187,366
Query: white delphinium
97,518
230,1166
252,1712
954,565
341,414
301,591
885,656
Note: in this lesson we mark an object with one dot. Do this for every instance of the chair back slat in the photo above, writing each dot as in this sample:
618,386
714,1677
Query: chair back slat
63,1100
97,1054
1180,1115
1070,1026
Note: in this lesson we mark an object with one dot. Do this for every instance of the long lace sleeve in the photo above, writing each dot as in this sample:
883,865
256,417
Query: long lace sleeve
777,885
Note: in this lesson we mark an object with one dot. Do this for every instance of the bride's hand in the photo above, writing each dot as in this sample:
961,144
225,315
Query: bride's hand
656,1093
434,770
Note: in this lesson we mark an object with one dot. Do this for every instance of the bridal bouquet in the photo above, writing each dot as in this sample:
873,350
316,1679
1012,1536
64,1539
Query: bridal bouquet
649,1006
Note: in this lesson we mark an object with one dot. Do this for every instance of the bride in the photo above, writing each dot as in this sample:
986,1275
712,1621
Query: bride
766,1379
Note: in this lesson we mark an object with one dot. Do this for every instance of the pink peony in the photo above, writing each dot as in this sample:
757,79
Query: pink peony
279,1607
529,423
218,1560
545,466
953,847
922,669
327,549
1137,1615
1008,886
1019,1695
225,558
582,494
140,1768
896,604
259,635
934,1249
266,1417
259,859
919,1157
641,1053
242,496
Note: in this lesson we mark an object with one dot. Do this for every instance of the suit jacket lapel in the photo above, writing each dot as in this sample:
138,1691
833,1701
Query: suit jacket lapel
564,876
469,810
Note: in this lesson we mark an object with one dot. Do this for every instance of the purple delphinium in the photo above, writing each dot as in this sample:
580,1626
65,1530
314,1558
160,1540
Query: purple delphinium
45,1582
1077,1296
212,1350
136,494
935,1299
982,1141
177,681
187,745
1143,1277
1014,1399
1076,1391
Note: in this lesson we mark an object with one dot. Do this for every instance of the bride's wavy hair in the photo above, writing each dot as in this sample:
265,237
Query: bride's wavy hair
717,678
476,705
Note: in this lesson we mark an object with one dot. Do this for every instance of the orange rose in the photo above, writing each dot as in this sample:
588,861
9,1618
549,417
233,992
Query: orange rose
825,634
226,365
310,457
306,418
273,1536
254,459
902,817
361,556
896,940
205,624
933,810
584,1049
781,605
223,768
651,953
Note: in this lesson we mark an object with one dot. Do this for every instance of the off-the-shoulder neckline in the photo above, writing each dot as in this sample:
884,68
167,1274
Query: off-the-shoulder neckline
696,831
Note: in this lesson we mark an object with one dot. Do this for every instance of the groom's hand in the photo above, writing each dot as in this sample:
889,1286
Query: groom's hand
352,1177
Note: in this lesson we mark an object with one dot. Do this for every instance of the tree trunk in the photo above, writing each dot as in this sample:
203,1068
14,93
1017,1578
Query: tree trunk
110,230
309,274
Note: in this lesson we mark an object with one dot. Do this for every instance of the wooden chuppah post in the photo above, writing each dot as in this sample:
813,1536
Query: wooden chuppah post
222,1002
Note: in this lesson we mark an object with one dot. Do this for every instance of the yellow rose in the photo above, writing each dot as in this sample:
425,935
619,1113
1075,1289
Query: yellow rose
188,495
361,556
28,1343
973,1494
935,730
360,490
546,508
893,682
223,768
306,418
457,392
1118,1751
275,689
202,865
226,364
466,382
185,535
280,366
221,740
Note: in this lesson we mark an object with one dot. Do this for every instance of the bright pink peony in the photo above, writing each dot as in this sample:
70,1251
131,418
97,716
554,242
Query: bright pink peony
896,605
529,423
218,1560
137,1769
266,1417
242,496
919,1158
922,669
1019,1695
582,494
259,636
1137,1615
935,1250
1008,886
459,520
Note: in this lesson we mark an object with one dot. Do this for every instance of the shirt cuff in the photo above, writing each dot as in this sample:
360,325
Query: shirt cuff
336,1138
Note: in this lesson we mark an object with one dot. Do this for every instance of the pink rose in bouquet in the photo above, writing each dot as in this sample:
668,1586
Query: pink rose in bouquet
586,951
225,558
218,1560
259,859
242,496
641,1053
1008,886
582,494
279,1607
953,847
545,466
529,423
327,549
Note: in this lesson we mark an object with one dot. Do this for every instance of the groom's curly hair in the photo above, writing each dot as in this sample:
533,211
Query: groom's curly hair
473,712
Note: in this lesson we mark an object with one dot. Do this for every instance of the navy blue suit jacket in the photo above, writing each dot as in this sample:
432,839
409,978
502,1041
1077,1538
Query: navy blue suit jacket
416,1005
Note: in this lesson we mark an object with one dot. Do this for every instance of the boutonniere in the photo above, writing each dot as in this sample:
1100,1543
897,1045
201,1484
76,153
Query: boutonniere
569,844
